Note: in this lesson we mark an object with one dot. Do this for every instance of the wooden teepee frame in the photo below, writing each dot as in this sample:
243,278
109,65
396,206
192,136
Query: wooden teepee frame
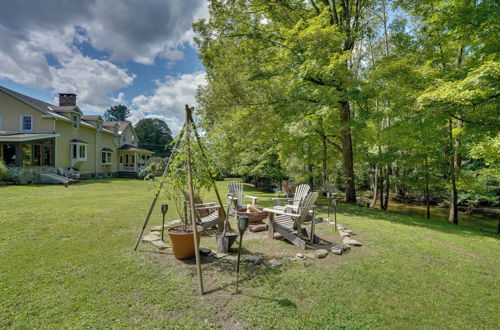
185,132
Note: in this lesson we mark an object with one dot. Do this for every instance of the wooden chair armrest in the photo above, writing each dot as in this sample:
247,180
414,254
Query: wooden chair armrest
208,207
253,197
281,198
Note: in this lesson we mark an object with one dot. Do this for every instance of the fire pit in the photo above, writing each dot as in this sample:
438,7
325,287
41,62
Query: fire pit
254,213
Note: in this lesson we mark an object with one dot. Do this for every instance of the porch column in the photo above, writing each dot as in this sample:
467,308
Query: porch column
135,162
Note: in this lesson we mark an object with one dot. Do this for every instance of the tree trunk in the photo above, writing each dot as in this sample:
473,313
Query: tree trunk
325,153
381,188
387,187
427,197
454,164
311,175
375,188
347,152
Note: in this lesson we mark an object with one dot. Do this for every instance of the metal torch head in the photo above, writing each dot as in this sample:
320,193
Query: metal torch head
242,223
164,208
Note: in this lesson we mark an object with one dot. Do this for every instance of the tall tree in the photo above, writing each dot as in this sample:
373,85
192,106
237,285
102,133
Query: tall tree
155,135
301,51
117,113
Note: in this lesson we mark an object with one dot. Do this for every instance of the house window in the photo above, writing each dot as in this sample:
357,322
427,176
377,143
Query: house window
76,120
26,123
106,158
83,151
1,123
78,153
133,139
27,153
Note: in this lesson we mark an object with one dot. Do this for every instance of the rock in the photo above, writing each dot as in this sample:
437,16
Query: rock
321,253
255,259
310,256
339,249
289,259
160,245
257,228
205,251
167,225
339,226
275,263
219,255
300,256
151,237
351,242
344,234
230,258
345,230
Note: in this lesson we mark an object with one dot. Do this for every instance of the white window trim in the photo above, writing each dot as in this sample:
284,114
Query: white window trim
21,122
77,121
78,158
110,157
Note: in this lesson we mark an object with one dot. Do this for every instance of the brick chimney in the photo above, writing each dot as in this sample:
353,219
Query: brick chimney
67,99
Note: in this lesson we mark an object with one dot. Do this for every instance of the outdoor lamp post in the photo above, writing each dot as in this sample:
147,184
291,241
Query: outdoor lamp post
164,209
242,227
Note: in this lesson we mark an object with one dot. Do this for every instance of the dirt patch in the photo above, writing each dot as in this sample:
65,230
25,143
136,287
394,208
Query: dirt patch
220,274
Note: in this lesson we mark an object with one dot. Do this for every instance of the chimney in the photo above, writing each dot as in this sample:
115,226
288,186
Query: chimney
67,99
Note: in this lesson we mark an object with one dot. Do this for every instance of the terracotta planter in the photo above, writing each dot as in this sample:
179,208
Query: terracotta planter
182,242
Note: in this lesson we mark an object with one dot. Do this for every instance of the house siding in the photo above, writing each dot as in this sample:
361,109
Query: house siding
11,109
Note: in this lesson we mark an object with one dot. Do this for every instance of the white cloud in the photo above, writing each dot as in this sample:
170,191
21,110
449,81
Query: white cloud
39,42
169,99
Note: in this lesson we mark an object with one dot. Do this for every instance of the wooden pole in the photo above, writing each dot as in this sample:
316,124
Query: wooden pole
191,202
153,202
197,136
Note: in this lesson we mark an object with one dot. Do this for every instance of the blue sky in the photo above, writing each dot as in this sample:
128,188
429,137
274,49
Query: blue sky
138,53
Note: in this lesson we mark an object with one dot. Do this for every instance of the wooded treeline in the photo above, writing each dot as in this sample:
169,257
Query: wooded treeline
396,97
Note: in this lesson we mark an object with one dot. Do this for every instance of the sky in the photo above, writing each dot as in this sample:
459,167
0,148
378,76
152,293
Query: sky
108,52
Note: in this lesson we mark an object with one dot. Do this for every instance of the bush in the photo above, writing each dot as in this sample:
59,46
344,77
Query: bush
154,167
3,172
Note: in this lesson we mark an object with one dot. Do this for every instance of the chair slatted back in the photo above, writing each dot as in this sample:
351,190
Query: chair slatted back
236,189
305,206
301,192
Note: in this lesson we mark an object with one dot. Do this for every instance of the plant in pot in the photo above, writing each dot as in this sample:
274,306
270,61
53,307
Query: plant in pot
176,184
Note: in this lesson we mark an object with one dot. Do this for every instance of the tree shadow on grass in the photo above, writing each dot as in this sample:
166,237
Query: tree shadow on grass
406,219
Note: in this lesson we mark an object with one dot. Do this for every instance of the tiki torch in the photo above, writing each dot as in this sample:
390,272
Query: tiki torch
164,209
242,227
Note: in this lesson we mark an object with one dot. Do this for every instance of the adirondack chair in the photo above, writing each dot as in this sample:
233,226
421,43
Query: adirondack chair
289,225
235,191
207,215
293,203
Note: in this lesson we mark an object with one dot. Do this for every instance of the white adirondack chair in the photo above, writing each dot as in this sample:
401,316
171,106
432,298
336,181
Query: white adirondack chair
289,225
301,191
235,192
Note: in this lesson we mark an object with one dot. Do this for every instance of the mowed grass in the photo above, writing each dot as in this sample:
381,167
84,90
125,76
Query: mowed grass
66,260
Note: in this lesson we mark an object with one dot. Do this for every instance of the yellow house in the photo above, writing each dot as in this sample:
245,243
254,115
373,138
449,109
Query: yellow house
38,137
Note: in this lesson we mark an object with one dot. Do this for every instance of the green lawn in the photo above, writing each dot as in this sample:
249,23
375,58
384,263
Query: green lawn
66,260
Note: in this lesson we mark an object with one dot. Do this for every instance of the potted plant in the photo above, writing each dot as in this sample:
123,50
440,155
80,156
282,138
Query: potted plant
176,184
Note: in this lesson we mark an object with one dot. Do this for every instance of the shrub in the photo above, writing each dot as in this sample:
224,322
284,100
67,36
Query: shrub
3,172
154,168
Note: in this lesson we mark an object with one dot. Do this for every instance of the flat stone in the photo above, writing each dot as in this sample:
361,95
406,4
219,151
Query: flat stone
255,259
339,249
160,245
257,228
167,225
300,255
344,234
345,230
205,251
219,255
230,258
289,259
351,242
151,237
275,263
321,253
